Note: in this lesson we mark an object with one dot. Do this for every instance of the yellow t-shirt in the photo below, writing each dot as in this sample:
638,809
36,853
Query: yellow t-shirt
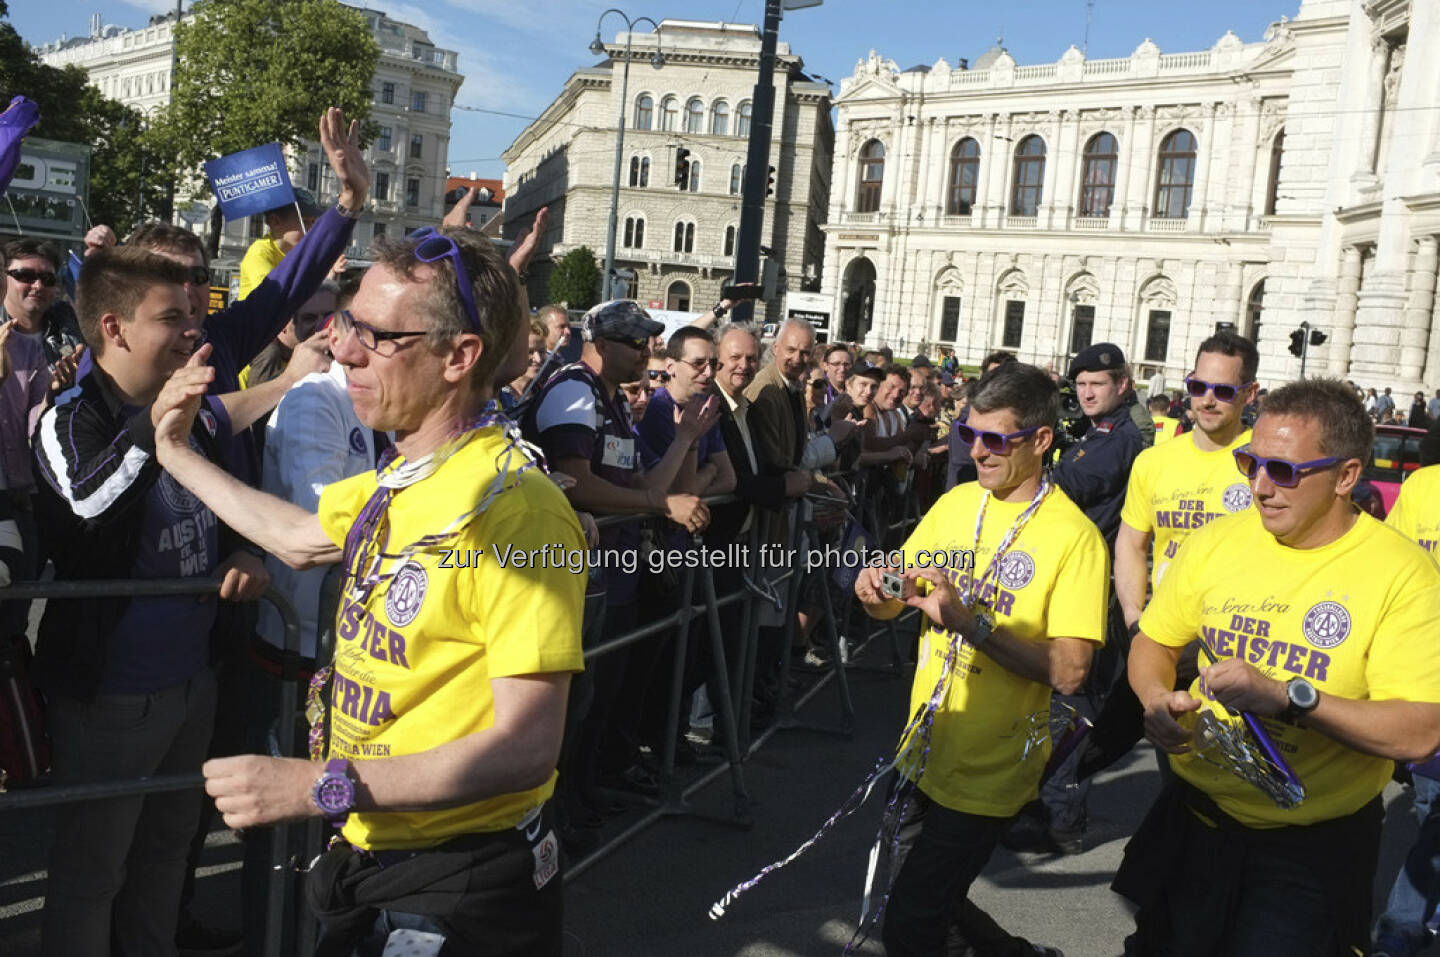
413,664
1165,428
263,255
1052,583
1416,514
1175,488
1347,616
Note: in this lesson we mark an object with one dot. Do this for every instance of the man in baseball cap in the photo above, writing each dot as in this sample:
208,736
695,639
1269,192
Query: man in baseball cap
620,320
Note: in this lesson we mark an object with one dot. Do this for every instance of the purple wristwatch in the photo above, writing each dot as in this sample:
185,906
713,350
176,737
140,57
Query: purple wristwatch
334,793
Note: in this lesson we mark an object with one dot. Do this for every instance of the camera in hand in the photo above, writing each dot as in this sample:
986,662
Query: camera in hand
745,291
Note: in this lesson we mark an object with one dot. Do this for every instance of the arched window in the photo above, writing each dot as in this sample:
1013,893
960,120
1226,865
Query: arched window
684,237
644,111
1097,178
639,171
742,121
669,113
1254,310
964,175
1272,192
1177,176
634,232
693,185
1029,176
677,298
729,241
737,178
694,116
872,175
720,118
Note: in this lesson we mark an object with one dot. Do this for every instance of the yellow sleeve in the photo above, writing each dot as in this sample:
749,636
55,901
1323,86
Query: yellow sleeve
1399,517
340,505
244,378
1136,512
530,616
262,256
1399,665
1173,615
1082,589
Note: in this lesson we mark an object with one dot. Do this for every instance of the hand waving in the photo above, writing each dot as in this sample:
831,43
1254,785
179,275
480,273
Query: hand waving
342,148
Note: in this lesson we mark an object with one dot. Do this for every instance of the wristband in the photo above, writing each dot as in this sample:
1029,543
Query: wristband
346,211
719,311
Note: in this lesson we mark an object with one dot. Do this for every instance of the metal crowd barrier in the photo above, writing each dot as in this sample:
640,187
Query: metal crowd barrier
53,795
698,599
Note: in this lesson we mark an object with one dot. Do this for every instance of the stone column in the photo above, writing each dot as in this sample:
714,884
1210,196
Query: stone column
1368,139
1415,333
937,136
1432,354
1342,325
1143,160
1120,203
1207,150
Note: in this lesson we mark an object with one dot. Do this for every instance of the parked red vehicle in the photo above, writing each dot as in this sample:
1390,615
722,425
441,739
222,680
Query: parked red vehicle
1395,456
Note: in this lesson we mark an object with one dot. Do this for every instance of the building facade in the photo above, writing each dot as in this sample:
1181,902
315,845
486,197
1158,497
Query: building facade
414,86
675,237
1150,199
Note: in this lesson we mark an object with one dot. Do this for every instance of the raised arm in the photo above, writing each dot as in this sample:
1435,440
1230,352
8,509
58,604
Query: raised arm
288,532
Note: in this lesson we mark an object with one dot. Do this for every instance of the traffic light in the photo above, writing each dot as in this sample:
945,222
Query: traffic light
770,182
1317,337
682,167
1297,342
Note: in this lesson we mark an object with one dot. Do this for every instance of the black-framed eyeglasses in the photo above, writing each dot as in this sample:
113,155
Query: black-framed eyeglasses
1281,472
657,375
997,443
380,341
1224,391
433,246
199,276
28,276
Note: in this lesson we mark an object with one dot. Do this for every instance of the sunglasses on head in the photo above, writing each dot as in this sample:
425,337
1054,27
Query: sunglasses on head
657,375
32,275
1224,391
1281,472
997,443
433,246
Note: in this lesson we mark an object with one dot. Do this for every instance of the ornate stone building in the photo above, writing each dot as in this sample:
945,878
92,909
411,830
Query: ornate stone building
414,85
1147,200
675,242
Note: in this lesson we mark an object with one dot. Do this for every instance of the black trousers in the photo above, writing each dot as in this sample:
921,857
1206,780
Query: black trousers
940,854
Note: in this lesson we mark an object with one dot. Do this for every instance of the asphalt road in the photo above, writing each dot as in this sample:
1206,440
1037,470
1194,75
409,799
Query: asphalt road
652,895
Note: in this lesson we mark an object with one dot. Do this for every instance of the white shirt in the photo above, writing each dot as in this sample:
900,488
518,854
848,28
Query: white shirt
312,440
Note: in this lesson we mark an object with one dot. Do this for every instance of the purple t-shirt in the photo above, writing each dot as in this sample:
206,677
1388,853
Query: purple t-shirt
161,641
656,433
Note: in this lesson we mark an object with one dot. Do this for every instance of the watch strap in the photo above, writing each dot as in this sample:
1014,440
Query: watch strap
346,211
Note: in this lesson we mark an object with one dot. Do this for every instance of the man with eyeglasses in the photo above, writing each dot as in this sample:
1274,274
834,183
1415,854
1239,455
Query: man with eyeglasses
453,661
581,422
1314,615
33,277
1023,620
838,363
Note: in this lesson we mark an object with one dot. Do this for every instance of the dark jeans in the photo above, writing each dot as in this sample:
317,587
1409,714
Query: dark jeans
1401,930
124,856
940,854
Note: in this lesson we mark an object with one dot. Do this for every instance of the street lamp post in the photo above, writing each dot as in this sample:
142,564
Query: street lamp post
658,60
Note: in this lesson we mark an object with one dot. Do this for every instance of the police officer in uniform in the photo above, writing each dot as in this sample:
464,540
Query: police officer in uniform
1094,473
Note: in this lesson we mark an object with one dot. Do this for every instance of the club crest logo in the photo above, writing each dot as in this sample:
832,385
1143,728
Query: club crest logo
207,419
1016,570
1326,624
1236,498
177,497
406,594
357,441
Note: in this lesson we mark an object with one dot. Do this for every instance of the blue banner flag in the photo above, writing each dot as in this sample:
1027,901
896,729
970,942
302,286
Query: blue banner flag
73,263
251,181
15,122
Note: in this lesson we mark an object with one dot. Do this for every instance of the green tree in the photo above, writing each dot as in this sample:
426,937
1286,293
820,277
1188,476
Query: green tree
260,71
575,280
124,186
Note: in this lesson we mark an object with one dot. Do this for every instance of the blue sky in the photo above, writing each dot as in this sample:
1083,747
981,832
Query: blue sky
517,54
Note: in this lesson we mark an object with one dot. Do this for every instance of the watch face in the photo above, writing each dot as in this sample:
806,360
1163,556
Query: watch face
334,794
1303,694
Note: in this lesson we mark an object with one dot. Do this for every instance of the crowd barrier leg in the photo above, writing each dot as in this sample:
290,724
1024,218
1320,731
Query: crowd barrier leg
837,658
278,879
727,713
